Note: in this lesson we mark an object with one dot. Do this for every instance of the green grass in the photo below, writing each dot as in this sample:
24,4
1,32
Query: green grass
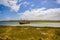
29,33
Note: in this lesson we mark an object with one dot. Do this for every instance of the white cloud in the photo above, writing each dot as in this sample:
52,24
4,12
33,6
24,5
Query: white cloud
41,13
58,1
11,3
4,2
25,3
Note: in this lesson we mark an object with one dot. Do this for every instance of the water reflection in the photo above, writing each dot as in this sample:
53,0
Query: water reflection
52,24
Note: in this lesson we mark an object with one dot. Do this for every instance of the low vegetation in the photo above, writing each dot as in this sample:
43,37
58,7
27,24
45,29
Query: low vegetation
29,33
31,20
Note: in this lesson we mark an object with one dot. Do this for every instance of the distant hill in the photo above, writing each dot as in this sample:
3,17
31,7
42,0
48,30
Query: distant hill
31,20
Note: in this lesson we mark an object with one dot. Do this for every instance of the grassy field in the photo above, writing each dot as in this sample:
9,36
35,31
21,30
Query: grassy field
29,33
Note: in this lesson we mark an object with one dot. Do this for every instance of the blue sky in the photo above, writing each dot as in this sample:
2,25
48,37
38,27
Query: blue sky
29,9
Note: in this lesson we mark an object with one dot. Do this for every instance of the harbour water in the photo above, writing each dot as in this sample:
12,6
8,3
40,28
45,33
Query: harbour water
39,24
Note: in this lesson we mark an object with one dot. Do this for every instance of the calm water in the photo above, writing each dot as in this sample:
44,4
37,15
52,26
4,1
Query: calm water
52,24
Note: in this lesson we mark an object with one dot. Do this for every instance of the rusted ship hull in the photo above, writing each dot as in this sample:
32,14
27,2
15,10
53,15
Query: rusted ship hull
24,22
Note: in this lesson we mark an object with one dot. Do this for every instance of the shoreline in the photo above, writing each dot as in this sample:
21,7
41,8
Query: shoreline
33,27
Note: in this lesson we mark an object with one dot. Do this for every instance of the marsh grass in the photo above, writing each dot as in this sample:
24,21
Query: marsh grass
29,33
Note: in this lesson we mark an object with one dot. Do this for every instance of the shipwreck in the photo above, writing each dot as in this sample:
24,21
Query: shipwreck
24,22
